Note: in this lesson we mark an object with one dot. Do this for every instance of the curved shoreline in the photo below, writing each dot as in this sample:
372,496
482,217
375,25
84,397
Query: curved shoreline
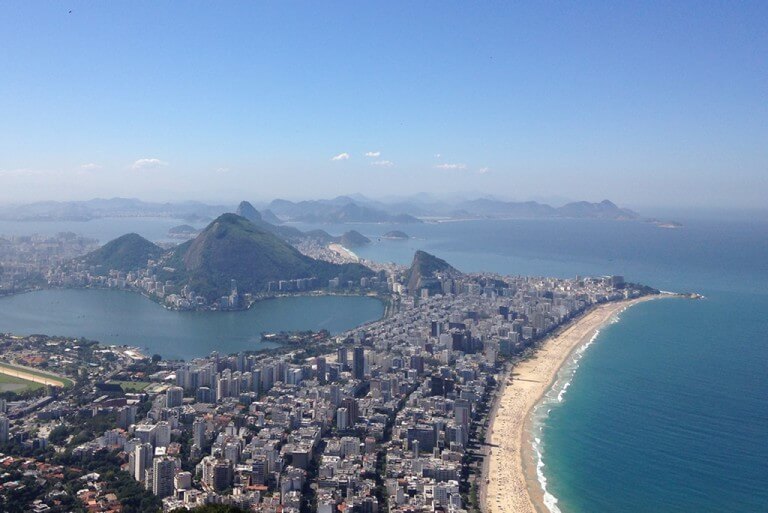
510,480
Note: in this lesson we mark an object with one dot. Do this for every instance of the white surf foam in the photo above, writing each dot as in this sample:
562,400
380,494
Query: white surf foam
554,396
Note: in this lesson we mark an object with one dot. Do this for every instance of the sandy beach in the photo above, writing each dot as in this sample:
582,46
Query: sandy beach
512,485
344,252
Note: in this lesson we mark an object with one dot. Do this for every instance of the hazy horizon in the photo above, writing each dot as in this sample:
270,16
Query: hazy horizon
656,104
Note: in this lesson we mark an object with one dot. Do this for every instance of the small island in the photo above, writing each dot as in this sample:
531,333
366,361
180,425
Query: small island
396,235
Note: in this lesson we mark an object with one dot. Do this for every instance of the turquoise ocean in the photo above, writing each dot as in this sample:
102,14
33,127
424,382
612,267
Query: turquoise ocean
665,411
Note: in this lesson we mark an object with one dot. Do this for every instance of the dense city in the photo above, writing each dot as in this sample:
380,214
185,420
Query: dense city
386,417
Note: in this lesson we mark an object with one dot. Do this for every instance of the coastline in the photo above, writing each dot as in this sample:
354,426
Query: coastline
510,482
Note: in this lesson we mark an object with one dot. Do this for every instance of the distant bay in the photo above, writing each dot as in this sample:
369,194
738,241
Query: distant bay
119,317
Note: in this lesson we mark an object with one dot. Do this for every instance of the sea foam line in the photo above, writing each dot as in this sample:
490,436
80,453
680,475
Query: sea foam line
551,399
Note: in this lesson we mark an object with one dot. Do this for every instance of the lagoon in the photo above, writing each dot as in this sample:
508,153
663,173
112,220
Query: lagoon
121,317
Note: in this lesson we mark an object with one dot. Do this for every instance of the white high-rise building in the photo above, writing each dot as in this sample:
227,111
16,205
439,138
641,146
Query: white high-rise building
198,433
142,459
162,434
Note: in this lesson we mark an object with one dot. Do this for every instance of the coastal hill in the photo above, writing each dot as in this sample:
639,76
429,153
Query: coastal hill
353,238
425,271
126,253
232,247
603,210
270,217
246,210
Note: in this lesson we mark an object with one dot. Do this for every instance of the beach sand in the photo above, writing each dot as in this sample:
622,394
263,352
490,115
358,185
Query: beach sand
513,486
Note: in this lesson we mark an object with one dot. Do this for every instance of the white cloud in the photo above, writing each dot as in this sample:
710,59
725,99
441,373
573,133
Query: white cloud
90,167
222,170
341,156
451,166
437,155
383,163
148,164
373,154
483,171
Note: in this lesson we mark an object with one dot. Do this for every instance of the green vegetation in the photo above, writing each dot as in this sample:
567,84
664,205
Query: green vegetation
132,386
127,253
14,384
67,382
132,495
232,247
396,234
354,238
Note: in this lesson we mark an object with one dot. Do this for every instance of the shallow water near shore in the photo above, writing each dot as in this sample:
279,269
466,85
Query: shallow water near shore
668,406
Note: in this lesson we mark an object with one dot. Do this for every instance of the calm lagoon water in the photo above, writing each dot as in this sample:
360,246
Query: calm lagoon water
118,317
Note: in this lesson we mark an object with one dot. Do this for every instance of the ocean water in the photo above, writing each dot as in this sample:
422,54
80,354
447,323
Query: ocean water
667,409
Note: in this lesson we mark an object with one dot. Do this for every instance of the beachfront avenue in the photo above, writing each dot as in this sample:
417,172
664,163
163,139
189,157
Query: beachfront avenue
392,413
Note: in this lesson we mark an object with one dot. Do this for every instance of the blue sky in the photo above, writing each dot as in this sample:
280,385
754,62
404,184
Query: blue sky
644,103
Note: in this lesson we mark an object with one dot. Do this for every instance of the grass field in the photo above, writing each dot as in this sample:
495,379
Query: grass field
132,386
67,382
18,385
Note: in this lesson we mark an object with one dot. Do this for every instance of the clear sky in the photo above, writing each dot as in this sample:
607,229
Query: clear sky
645,103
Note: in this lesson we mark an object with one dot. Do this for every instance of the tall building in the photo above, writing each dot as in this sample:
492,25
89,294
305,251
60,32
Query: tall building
321,369
182,481
462,412
217,473
174,397
198,433
358,362
342,418
163,470
4,429
142,458
162,434
353,410
341,357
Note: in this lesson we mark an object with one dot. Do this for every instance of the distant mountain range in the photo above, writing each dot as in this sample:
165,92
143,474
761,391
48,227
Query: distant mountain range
342,209
190,211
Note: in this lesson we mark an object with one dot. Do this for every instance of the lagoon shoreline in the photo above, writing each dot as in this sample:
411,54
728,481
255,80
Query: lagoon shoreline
510,481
